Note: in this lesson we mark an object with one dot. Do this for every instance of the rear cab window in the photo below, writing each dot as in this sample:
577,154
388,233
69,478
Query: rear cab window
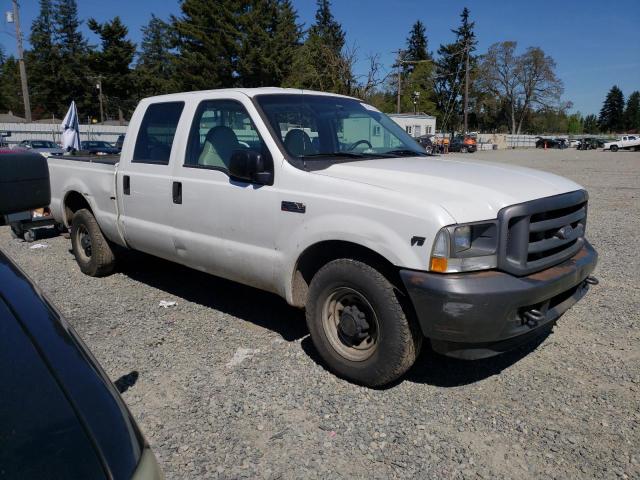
156,134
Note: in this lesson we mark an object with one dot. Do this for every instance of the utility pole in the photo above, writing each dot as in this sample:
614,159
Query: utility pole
100,98
399,80
23,70
466,85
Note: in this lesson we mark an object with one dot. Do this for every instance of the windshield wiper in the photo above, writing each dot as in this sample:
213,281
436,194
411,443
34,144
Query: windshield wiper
332,154
406,152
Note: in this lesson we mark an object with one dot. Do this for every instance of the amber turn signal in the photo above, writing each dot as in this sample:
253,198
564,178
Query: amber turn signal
438,264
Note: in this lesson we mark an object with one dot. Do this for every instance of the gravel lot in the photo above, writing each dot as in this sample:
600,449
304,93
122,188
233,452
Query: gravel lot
229,386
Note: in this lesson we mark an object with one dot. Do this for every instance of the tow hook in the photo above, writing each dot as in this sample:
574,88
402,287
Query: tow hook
592,280
533,317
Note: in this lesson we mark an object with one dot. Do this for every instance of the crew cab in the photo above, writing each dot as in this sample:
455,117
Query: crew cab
325,201
626,142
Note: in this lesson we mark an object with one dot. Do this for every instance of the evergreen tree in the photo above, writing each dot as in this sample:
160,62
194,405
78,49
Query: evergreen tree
111,63
269,38
43,63
320,63
450,72
155,70
10,88
612,113
590,124
327,28
73,72
416,50
632,112
208,42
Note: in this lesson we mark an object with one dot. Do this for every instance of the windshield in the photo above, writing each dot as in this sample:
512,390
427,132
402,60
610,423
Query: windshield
321,126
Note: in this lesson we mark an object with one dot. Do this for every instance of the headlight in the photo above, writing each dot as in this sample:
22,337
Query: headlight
464,248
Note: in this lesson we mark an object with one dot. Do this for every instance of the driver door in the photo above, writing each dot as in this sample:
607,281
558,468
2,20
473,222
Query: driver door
223,226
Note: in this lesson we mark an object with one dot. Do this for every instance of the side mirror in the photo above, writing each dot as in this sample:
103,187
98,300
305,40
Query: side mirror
251,166
24,182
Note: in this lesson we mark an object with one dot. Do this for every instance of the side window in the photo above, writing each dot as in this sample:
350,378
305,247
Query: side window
220,127
158,128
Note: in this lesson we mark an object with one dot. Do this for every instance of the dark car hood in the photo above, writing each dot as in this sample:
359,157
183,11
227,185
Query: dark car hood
59,412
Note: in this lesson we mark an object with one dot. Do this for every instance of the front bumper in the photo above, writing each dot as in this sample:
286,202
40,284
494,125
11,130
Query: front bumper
480,314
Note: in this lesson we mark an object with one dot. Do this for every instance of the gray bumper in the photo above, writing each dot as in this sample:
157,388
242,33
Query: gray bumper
479,314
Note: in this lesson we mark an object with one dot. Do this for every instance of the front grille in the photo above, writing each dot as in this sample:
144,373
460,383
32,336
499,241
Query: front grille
539,234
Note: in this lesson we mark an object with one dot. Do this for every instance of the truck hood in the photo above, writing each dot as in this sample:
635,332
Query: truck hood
469,190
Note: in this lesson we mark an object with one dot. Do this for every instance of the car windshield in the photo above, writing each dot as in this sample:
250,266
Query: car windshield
329,127
43,144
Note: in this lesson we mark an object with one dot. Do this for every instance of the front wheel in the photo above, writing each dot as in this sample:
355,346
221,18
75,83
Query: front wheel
358,325
92,251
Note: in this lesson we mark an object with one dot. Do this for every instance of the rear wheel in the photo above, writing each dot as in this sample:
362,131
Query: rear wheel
92,251
463,149
16,231
358,325
614,148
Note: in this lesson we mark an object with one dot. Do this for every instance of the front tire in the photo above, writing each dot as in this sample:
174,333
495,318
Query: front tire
358,325
92,251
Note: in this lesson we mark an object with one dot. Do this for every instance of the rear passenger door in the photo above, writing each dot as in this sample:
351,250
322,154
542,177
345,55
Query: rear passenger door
144,181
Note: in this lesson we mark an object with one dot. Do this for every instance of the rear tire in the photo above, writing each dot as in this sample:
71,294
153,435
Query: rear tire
614,148
344,290
29,236
16,231
92,251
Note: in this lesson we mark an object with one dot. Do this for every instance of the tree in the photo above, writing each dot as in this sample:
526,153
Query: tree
155,72
590,124
320,62
207,42
43,63
73,72
612,113
521,81
111,64
575,123
416,50
632,112
538,82
10,89
269,36
450,71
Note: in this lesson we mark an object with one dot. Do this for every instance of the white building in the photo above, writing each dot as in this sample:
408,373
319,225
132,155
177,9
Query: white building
414,124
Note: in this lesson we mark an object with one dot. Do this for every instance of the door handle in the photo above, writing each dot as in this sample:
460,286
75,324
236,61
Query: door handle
177,192
126,185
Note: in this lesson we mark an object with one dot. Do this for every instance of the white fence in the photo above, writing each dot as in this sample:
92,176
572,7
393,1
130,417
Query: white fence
52,131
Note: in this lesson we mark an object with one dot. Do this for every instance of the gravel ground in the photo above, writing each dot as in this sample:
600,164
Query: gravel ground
229,386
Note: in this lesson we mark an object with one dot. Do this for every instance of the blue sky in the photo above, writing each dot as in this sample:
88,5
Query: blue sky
595,44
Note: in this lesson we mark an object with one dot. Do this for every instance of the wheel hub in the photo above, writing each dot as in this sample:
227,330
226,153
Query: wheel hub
353,326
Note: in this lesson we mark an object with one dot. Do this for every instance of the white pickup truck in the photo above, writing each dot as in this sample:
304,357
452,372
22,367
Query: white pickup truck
325,201
626,142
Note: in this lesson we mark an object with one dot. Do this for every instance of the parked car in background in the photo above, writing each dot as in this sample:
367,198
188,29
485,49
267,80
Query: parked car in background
546,142
98,147
343,214
60,415
626,142
588,143
463,144
44,147
119,142
426,141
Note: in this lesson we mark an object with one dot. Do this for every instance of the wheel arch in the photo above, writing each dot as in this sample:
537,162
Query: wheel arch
74,201
315,256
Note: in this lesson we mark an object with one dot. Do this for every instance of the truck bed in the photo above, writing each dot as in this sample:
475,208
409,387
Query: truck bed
107,159
91,176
